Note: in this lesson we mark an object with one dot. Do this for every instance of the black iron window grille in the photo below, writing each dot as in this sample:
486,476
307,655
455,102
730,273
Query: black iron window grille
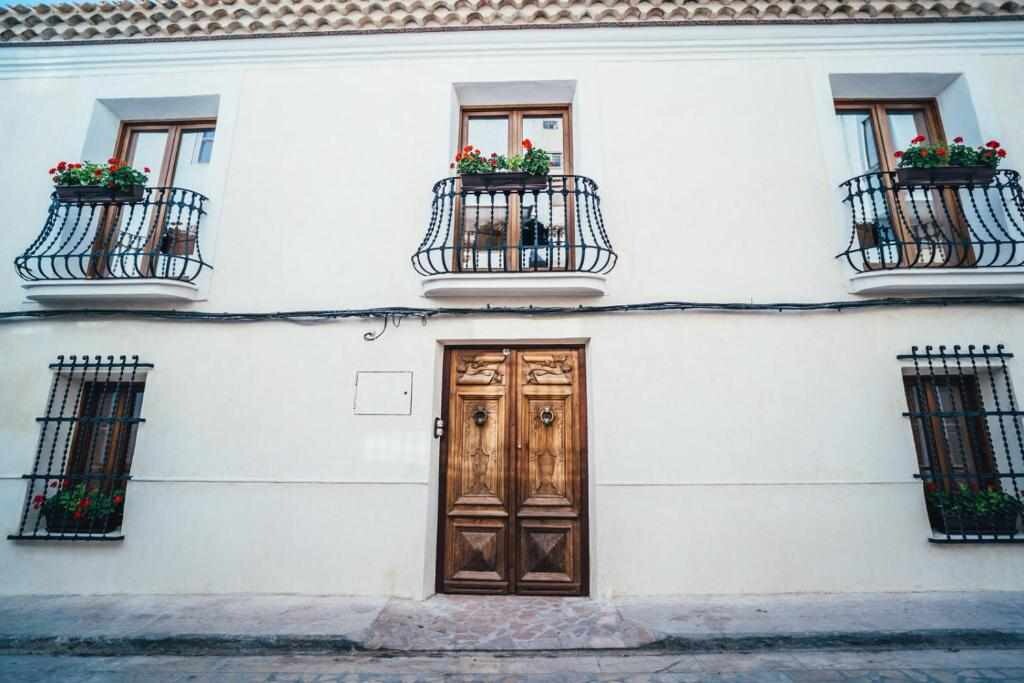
899,225
969,441
155,236
78,485
553,226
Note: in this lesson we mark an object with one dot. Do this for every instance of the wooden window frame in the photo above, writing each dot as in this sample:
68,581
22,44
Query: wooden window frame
515,115
878,110
124,149
127,398
933,450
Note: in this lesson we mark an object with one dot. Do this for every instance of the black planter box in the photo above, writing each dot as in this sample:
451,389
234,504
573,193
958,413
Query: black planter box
60,521
1004,523
92,193
946,175
503,181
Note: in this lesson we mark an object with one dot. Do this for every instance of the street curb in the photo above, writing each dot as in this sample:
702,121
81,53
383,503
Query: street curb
234,645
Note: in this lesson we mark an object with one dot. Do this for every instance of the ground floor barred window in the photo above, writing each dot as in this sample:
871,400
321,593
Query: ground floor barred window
78,484
969,441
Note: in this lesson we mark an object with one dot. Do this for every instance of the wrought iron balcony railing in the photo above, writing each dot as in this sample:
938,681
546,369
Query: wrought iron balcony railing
925,225
516,227
155,237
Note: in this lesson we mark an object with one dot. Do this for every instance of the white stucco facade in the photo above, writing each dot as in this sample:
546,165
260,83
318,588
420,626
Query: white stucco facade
728,452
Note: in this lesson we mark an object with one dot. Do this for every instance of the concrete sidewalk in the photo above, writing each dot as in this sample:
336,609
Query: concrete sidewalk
277,624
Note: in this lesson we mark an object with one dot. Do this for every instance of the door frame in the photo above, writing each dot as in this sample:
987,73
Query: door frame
442,507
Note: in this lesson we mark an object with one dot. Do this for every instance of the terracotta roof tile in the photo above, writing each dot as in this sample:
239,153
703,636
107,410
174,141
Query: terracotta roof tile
176,19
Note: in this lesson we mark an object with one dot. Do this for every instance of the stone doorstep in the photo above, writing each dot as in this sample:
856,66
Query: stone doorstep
235,645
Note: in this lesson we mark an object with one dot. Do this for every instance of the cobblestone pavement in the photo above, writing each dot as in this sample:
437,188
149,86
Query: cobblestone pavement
929,666
462,622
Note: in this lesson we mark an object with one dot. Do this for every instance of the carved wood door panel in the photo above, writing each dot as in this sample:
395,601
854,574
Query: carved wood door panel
513,508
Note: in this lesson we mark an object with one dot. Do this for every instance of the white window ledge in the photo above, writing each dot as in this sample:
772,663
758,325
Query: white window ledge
514,284
918,280
110,290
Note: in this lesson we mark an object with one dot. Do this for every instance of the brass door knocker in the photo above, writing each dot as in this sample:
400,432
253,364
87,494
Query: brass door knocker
480,416
547,416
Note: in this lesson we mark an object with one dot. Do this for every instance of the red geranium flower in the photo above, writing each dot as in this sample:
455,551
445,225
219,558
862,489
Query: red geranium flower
992,144
38,501
62,165
146,169
932,487
467,148
919,138
527,144
77,514
112,160
1001,153
451,165
98,172
897,154
118,500
958,139
52,171
458,157
924,152
941,151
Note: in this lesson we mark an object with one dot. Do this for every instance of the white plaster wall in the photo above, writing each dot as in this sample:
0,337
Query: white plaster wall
728,453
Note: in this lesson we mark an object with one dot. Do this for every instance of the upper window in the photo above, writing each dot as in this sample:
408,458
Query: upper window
159,240
518,227
968,437
898,227
77,487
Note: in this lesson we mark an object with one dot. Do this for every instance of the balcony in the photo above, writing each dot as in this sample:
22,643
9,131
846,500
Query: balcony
515,239
934,237
117,249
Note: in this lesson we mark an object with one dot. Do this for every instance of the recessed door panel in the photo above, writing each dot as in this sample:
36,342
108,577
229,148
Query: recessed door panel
513,507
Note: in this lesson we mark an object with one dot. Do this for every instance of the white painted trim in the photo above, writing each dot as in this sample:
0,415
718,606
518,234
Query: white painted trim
639,43
110,290
514,284
925,280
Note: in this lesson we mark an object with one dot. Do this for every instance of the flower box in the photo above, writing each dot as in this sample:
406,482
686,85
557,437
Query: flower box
93,193
954,176
1003,522
60,521
503,181
112,182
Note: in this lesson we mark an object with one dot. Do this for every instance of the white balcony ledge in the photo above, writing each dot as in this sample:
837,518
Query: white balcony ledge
64,291
514,284
949,280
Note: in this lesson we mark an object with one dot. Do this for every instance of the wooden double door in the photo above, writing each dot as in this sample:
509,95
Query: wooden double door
513,472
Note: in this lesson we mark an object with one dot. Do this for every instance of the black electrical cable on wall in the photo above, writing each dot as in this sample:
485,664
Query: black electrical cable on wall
395,314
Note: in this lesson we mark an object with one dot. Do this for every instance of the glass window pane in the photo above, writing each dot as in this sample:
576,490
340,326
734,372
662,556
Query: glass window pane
148,151
488,134
906,125
547,132
859,142
193,167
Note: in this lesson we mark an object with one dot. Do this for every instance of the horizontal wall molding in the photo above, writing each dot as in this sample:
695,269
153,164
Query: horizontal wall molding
254,480
714,484
639,43
641,484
